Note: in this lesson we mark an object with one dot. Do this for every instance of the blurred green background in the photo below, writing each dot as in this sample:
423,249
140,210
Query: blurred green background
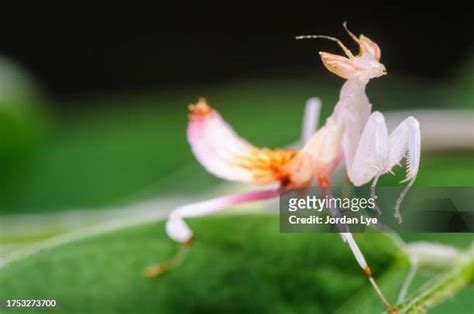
75,159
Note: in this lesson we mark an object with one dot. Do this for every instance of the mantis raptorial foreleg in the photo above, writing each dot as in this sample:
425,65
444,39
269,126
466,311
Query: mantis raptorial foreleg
405,142
371,156
377,153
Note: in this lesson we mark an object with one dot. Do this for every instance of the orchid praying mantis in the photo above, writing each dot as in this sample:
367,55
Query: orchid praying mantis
351,133
369,151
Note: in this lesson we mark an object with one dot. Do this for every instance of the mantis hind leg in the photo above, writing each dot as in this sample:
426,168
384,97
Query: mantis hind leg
179,231
156,269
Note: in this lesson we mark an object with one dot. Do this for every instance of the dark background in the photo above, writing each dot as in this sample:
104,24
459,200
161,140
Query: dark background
76,52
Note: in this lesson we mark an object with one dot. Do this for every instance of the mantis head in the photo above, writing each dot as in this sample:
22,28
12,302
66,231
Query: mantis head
364,66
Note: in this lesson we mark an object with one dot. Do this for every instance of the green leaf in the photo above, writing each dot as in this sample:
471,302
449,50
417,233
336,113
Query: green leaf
237,264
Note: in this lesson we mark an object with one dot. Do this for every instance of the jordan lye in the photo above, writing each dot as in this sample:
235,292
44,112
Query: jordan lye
328,220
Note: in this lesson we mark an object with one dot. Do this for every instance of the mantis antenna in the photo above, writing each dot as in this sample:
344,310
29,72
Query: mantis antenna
350,33
346,50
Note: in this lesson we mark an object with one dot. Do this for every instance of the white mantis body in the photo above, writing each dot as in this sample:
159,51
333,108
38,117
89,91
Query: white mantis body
351,132
369,150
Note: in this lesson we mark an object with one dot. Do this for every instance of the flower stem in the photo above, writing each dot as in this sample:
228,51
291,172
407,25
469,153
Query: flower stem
441,287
